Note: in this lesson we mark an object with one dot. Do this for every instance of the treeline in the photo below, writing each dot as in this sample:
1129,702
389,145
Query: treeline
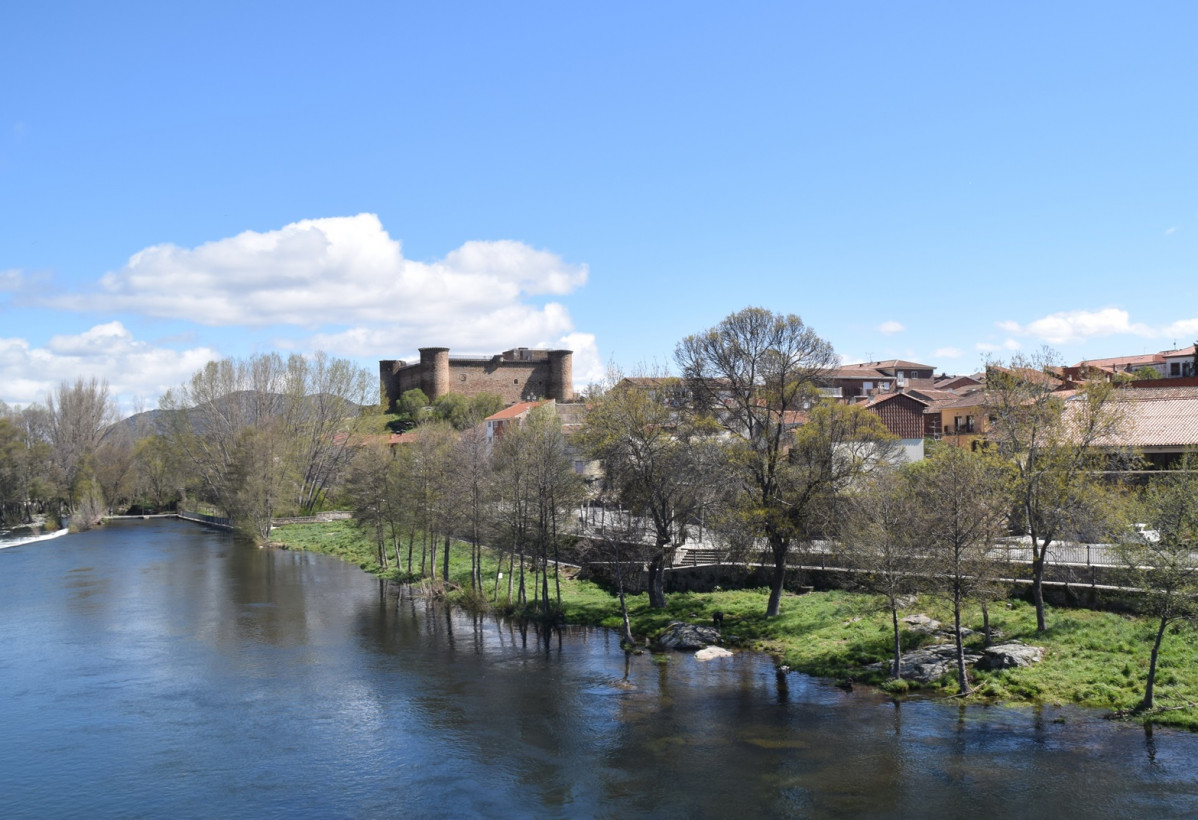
515,493
255,438
743,442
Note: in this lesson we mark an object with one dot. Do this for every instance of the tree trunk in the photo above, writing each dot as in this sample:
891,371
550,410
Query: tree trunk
962,677
657,598
986,623
1147,703
777,581
1038,586
445,562
898,644
628,641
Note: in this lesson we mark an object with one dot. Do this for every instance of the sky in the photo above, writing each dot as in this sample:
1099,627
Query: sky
939,182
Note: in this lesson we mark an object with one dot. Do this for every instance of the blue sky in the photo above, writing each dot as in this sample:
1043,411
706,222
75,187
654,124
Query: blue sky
930,181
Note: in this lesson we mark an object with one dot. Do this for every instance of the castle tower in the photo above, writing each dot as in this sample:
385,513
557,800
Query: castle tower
561,375
434,376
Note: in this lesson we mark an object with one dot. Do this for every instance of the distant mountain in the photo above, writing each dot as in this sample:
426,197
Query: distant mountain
244,403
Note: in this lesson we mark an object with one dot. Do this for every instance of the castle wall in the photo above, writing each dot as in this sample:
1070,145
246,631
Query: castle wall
515,375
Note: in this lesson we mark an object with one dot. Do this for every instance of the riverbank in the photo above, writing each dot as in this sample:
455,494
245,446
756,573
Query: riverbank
1095,659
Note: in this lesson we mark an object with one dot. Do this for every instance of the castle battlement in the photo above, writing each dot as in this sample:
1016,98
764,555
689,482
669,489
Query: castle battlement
519,374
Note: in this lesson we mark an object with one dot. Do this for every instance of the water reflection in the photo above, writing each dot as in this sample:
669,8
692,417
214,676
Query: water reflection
159,667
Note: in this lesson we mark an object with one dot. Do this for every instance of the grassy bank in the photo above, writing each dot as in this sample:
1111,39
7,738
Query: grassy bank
1097,659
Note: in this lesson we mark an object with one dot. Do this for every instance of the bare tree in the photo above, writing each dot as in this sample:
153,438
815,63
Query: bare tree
880,532
960,502
753,372
79,413
474,479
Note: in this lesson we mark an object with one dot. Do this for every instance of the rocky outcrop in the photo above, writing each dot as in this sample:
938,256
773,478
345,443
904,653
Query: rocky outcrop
688,637
1010,655
929,663
930,626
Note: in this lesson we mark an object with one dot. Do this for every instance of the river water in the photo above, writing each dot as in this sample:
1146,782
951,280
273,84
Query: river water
159,669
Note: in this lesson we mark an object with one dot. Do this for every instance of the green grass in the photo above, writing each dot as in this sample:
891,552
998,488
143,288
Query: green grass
1097,659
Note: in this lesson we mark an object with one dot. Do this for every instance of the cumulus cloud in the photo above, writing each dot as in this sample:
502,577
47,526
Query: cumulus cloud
345,271
344,286
947,353
1068,327
890,327
108,351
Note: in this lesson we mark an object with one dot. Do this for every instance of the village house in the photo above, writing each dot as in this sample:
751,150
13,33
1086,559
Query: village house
1159,424
509,417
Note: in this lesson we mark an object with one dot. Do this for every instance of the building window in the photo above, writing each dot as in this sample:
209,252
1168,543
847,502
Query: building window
1175,369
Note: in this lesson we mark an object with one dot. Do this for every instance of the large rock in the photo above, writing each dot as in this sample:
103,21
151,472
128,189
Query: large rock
930,626
688,637
1010,655
711,653
929,663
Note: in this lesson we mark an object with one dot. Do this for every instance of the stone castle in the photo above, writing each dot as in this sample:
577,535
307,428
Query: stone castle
520,374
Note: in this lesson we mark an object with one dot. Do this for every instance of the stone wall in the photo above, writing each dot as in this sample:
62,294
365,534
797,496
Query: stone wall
515,375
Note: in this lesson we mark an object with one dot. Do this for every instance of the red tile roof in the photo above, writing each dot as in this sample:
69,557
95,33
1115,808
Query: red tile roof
515,411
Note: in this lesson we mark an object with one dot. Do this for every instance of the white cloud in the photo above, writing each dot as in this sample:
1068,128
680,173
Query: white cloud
947,353
1007,344
1171,230
1184,329
345,287
890,327
1080,325
108,351
588,367
1072,326
340,271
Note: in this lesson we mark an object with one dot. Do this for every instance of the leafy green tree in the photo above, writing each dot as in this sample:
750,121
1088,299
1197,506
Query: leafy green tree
1051,438
411,406
537,491
1164,560
659,464
292,422
372,488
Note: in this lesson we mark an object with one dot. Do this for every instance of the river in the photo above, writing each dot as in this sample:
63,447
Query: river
160,669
